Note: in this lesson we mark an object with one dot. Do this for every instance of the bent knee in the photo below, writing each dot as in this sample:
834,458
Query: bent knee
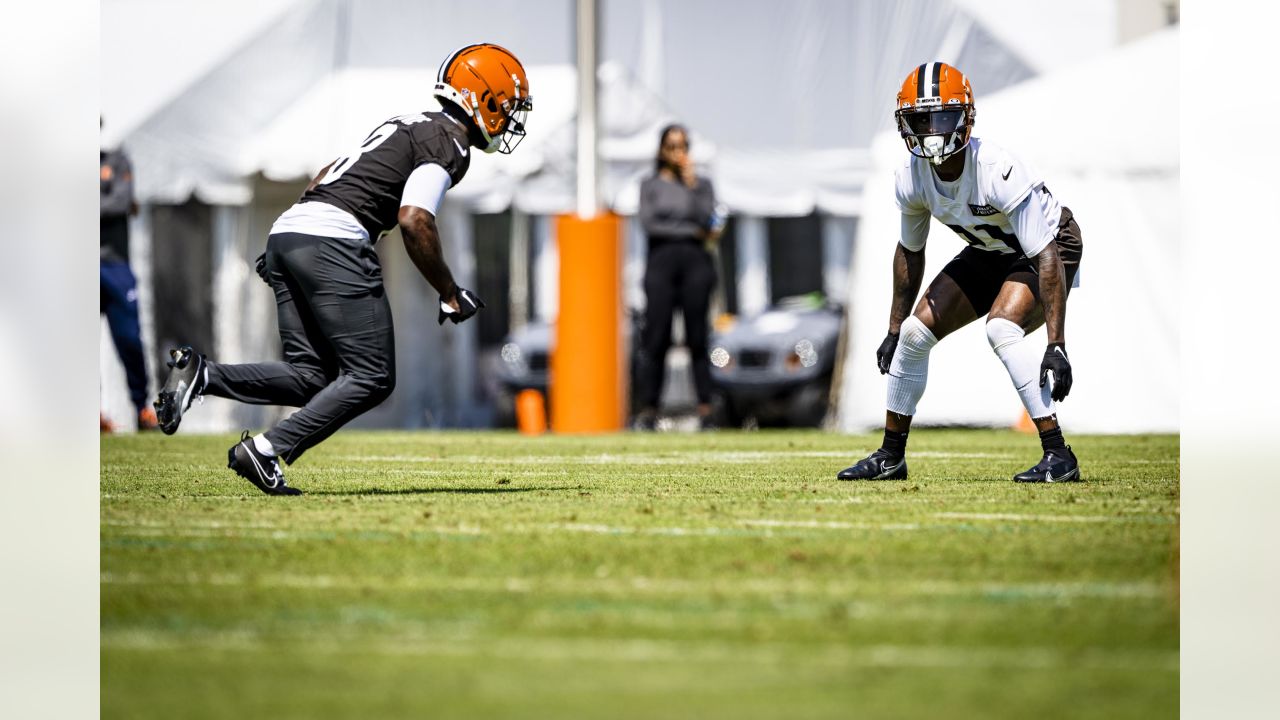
374,387
313,381
915,338
383,385
1002,332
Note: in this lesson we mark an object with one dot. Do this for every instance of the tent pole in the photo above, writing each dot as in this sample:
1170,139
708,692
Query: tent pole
588,182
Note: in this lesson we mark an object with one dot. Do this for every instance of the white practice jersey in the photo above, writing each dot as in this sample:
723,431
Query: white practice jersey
999,204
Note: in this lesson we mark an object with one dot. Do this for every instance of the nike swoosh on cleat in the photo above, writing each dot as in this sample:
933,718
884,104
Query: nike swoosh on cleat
185,389
262,473
889,471
1068,475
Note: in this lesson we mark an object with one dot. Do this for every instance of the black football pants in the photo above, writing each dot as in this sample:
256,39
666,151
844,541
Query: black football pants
677,274
335,327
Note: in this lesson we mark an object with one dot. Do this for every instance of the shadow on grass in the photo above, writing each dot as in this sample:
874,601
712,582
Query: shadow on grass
434,491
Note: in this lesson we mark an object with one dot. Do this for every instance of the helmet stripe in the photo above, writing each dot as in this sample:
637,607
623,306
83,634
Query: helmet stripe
920,81
937,72
444,66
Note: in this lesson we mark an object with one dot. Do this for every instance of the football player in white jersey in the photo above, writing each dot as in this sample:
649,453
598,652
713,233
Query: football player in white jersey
1022,258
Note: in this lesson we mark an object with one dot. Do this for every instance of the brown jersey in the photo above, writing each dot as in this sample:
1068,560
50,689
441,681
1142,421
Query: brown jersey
369,182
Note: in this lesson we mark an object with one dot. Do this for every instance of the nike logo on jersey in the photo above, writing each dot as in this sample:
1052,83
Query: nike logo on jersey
1006,173
460,148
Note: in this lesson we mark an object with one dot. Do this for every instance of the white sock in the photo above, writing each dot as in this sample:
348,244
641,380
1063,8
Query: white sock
909,370
1022,360
263,445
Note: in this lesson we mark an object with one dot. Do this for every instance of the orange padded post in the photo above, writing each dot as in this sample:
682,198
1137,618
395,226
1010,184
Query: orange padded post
587,387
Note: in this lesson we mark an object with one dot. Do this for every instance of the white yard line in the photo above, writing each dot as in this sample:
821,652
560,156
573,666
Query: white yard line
565,649
1173,461
1018,517
743,527
828,525
919,589
254,531
662,458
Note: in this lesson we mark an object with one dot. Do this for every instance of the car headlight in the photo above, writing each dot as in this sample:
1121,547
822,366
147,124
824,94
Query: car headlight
720,357
513,357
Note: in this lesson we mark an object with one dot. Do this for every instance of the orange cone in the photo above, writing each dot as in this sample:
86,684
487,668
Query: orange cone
531,412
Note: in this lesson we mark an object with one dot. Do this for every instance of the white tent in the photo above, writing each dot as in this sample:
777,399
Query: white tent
783,99
1114,161
791,93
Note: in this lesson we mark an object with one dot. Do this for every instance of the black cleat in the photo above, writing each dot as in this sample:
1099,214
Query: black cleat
1057,465
261,470
184,384
879,465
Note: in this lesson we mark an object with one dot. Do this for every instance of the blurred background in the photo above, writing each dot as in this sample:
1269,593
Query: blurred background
228,109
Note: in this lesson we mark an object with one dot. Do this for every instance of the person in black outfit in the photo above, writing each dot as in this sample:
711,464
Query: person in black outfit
118,289
320,261
678,212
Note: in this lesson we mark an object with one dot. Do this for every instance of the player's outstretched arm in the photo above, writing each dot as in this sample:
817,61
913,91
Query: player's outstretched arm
908,273
1053,296
422,242
1053,292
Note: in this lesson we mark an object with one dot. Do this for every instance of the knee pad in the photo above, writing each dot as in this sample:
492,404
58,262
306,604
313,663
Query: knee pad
1001,333
914,339
1022,360
909,371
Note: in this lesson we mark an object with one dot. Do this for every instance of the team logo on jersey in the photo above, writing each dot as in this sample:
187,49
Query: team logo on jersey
982,210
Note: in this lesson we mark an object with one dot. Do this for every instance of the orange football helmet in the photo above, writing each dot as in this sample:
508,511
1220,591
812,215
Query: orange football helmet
490,86
935,111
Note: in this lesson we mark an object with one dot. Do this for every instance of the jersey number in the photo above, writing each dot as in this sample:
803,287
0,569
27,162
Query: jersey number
992,231
344,163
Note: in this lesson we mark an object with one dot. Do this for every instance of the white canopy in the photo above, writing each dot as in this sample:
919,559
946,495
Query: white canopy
1117,169
782,98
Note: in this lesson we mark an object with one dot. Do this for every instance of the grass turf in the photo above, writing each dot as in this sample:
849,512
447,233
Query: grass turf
634,576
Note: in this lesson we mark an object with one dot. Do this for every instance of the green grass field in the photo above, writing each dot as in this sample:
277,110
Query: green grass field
442,575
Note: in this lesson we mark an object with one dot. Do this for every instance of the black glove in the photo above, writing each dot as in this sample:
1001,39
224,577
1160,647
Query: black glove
468,304
884,354
1055,361
260,265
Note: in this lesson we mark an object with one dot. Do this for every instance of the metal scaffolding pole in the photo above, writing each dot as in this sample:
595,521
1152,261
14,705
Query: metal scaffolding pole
588,124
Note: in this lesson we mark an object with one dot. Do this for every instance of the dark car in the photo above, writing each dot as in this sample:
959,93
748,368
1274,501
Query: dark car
776,367
523,362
